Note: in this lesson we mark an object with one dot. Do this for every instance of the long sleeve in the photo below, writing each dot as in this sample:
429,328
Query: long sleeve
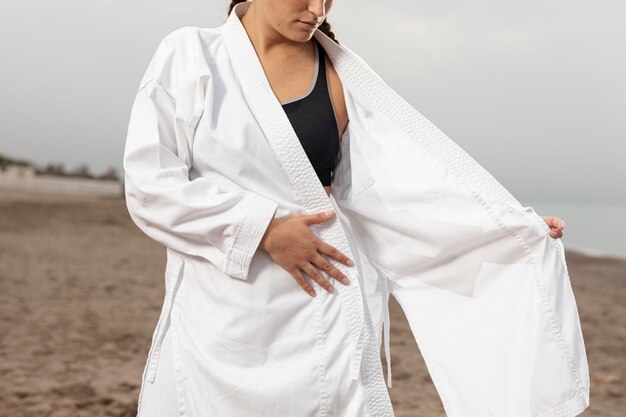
194,217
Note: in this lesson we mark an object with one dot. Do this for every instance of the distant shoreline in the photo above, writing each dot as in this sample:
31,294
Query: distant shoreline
593,253
60,186
42,188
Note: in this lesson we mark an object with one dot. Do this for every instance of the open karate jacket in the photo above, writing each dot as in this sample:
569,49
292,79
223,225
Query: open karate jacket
211,158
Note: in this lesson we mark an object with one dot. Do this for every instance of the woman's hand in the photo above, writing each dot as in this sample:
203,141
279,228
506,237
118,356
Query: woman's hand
290,243
556,226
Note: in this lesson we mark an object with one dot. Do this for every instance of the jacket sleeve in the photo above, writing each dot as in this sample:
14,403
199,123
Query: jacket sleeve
190,216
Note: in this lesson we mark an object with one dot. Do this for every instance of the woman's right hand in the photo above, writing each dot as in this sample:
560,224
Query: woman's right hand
290,243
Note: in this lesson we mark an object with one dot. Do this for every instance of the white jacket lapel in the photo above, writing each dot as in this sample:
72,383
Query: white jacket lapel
281,136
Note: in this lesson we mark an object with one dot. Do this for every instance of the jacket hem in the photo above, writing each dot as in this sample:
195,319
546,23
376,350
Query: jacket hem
570,408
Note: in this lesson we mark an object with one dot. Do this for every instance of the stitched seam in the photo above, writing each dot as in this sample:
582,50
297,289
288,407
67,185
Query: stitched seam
542,295
321,362
552,317
179,376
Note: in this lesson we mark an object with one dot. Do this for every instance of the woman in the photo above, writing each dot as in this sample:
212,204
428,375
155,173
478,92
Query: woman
234,133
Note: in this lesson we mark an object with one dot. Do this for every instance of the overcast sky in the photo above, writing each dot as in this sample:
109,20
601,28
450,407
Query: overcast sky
534,90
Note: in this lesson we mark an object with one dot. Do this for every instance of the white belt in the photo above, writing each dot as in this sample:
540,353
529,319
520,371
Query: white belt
385,301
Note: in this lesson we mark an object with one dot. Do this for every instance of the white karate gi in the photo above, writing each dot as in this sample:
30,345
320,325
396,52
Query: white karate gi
211,158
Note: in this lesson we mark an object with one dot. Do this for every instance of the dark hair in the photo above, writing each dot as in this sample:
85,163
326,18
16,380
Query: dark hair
324,26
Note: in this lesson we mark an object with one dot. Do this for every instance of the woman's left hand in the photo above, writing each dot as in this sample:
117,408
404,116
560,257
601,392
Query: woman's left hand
556,226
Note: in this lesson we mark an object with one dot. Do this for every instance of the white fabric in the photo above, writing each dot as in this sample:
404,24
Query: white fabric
211,158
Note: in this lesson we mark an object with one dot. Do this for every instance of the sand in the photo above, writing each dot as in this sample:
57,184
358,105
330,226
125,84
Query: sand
82,288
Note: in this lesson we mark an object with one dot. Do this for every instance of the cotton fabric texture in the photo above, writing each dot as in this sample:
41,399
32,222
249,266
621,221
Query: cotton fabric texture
211,158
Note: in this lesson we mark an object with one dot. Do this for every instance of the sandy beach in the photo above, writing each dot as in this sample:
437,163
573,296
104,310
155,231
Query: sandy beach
82,288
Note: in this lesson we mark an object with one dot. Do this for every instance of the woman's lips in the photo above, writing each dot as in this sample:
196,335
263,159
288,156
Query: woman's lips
311,25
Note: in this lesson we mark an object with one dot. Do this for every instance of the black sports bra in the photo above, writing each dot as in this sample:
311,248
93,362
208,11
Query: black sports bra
312,116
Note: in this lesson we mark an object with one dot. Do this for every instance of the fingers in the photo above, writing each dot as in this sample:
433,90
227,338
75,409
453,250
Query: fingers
333,252
322,246
305,255
318,217
315,261
303,282
556,224
555,233
322,263
317,277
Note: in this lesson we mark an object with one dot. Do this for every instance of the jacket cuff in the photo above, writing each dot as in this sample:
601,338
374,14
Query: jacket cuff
249,237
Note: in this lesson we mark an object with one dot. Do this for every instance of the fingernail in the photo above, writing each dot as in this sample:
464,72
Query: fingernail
331,289
328,213
350,262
